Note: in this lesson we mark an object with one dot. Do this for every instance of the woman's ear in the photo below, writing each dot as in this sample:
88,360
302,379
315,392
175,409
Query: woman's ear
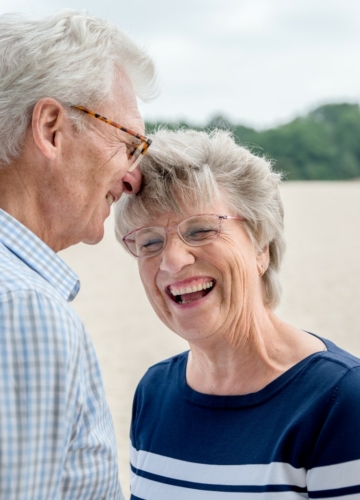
263,260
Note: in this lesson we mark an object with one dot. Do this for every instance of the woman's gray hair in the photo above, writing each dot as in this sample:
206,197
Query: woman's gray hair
71,57
194,169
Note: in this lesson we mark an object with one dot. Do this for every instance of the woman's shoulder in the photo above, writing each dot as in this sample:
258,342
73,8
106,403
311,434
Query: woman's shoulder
338,356
169,367
331,371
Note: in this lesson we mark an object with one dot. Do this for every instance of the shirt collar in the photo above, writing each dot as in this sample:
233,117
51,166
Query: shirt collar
37,255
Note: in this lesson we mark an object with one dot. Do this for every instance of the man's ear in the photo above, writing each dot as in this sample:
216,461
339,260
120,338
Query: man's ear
47,120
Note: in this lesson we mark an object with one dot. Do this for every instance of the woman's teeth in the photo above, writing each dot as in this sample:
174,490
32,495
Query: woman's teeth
110,199
181,295
191,289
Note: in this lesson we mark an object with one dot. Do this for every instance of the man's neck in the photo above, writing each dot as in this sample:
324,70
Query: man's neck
19,197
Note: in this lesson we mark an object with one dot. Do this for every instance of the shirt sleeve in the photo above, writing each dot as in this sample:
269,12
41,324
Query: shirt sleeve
134,451
335,471
56,434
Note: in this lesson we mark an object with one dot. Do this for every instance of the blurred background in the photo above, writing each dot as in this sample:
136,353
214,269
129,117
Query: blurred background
259,63
285,78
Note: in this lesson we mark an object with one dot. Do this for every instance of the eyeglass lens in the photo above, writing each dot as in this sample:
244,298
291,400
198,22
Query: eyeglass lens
135,156
195,231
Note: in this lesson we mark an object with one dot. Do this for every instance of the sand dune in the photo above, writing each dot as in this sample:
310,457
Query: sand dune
321,279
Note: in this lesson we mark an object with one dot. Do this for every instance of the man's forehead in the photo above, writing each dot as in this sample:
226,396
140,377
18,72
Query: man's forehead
123,93
126,113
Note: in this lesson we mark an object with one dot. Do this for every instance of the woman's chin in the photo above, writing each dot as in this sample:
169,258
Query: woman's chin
194,319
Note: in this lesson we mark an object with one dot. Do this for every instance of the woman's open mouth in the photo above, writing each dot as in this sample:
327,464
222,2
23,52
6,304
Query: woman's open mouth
191,292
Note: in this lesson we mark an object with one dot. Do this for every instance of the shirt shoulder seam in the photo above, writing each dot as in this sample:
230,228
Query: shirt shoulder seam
60,302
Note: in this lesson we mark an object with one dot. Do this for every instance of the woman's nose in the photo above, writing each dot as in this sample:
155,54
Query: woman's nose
176,255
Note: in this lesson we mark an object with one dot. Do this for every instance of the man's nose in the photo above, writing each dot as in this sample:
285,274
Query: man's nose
132,181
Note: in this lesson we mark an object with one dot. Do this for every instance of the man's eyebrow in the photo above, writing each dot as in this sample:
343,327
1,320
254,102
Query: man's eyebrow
133,140
125,137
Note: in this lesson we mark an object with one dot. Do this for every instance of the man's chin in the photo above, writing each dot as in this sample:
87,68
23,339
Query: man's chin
95,238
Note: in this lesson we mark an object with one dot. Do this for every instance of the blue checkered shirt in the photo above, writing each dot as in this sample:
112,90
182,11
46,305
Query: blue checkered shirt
56,434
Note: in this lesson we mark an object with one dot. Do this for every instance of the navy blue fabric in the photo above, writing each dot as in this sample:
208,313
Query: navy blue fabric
308,417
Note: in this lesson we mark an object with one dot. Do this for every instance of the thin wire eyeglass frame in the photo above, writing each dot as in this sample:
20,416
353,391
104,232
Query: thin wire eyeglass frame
140,150
166,230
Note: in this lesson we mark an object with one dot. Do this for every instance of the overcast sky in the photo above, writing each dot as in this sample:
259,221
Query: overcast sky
256,62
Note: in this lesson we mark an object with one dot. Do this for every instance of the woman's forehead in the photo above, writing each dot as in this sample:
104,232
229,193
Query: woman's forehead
171,218
166,219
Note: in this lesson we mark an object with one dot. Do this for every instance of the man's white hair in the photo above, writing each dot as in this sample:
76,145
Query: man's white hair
71,57
190,169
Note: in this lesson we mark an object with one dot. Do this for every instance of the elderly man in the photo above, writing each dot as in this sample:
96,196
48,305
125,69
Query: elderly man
62,165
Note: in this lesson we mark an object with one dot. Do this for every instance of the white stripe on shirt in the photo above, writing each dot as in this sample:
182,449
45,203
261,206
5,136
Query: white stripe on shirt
253,474
334,476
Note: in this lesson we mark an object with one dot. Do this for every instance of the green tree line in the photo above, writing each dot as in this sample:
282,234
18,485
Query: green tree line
323,145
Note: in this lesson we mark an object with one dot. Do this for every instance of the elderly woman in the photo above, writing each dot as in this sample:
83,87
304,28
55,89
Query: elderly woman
257,408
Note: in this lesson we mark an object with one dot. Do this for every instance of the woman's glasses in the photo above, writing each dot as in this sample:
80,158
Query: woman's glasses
195,231
136,147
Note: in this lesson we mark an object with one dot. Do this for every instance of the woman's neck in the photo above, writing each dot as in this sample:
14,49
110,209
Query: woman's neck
249,359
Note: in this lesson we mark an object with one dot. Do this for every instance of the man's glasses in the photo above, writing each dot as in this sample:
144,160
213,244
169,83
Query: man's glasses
195,231
136,147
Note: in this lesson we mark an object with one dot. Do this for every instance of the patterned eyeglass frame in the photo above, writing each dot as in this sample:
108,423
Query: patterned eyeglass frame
221,218
142,147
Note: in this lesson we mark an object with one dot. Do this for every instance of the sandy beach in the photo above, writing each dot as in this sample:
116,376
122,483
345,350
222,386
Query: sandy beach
321,280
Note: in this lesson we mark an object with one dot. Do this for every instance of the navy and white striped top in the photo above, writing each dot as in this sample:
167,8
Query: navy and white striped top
297,438
56,434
